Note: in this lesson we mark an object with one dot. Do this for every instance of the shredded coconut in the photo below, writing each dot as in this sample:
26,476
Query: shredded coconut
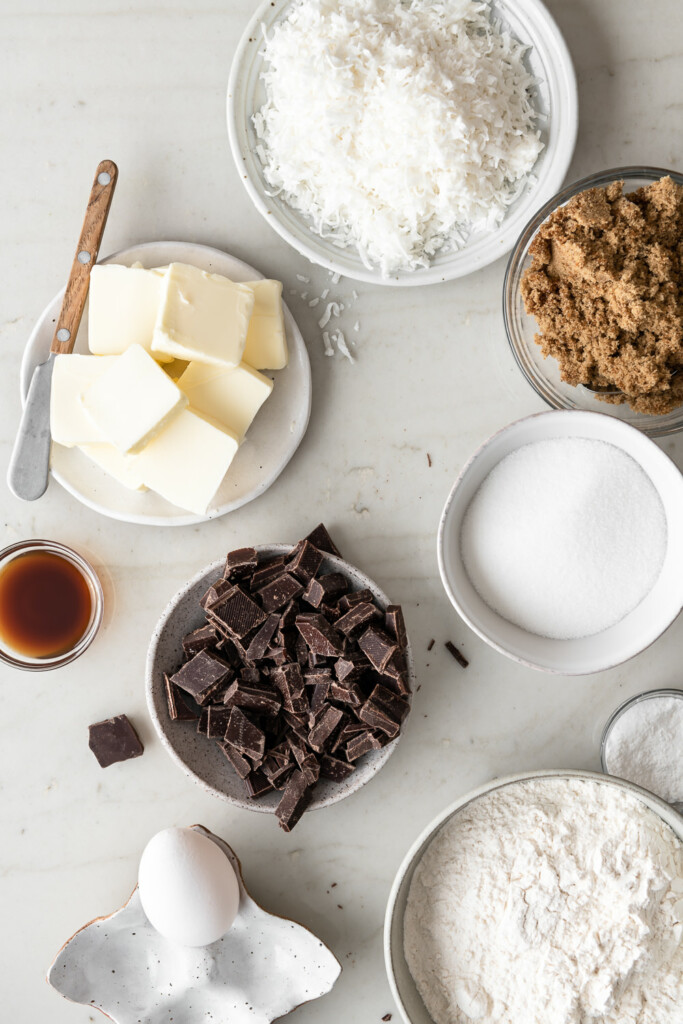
552,901
396,127
645,746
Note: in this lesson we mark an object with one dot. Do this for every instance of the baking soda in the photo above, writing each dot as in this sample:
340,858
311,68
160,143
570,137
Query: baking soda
645,746
564,537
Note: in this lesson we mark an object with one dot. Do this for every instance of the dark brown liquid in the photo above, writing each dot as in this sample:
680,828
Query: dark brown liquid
45,605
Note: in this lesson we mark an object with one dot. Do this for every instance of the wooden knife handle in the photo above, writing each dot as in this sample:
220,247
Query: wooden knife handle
86,254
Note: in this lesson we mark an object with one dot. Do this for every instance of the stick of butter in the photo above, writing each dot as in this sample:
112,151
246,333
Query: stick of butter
202,317
186,463
133,400
230,397
266,346
71,375
122,308
123,468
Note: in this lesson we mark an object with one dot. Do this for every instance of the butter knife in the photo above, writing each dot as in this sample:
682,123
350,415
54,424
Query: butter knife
30,462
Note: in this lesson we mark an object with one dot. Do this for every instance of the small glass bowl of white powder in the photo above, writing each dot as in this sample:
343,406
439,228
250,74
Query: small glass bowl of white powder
643,743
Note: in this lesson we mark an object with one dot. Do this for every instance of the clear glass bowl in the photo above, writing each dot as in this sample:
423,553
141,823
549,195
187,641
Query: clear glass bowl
17,660
626,706
544,374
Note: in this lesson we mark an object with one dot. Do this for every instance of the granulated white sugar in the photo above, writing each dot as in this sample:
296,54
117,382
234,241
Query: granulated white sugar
645,746
564,537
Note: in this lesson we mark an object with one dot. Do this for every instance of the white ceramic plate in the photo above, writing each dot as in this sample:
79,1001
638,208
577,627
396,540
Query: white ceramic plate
556,100
260,970
635,631
200,758
404,990
274,436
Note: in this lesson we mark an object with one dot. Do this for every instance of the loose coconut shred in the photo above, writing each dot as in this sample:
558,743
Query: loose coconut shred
396,128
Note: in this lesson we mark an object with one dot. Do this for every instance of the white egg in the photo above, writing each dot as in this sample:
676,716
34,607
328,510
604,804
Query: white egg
188,888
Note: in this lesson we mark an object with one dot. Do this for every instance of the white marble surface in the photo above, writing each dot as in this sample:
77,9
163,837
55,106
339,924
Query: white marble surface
144,84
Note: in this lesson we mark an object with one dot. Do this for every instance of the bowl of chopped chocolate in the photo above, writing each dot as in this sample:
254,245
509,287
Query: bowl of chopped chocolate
280,677
593,298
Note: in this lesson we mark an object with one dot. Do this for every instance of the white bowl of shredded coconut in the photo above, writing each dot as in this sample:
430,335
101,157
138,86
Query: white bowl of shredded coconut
550,897
401,141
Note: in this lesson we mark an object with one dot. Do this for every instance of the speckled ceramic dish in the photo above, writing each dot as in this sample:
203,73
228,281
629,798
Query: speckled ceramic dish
201,759
261,969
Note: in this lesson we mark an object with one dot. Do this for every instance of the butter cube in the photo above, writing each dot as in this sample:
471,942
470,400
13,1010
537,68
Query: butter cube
123,468
132,401
122,310
266,346
230,397
186,463
202,317
71,375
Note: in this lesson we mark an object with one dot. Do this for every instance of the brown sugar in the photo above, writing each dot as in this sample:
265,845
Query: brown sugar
606,288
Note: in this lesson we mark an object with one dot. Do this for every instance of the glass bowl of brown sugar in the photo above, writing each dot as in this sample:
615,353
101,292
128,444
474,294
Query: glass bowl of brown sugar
51,605
544,373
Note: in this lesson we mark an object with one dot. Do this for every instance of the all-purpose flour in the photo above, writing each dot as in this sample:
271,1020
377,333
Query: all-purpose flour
551,901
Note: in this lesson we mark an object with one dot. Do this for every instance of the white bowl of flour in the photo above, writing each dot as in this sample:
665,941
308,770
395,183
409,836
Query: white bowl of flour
551,897
561,542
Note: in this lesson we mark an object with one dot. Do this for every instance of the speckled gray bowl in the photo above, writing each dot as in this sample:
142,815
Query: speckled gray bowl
201,759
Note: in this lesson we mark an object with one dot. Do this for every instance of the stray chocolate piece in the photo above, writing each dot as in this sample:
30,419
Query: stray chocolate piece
321,540
377,646
178,711
114,740
460,658
293,676
431,644
295,800
202,675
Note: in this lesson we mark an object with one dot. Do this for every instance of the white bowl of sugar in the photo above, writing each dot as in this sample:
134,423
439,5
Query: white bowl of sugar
561,542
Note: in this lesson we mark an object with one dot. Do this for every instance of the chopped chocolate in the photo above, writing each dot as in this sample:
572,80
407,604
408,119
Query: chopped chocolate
239,563
320,636
346,733
320,734
394,705
377,717
217,721
361,744
460,658
351,667
267,572
237,760
178,711
431,644
198,640
378,647
260,641
295,800
258,699
354,598
321,539
325,589
288,617
114,740
216,593
239,613
357,618
305,560
395,674
203,722
257,784
320,694
244,735
334,769
395,625
202,676
276,594
346,694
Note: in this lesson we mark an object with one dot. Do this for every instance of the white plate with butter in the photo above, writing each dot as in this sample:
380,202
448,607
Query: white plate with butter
271,442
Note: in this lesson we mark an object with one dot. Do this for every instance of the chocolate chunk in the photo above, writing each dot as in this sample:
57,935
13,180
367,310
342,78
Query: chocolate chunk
244,735
267,572
378,647
276,773
238,613
216,593
202,676
203,722
217,721
376,716
295,800
198,640
178,711
319,635
351,667
395,674
350,695
305,560
460,658
277,594
114,740
361,744
289,681
395,625
320,695
288,617
237,760
257,784
333,768
354,598
325,589
321,674
357,618
321,539
240,563
346,733
257,699
394,705
320,734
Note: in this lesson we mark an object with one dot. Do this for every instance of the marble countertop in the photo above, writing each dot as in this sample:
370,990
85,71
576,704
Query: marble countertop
144,84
